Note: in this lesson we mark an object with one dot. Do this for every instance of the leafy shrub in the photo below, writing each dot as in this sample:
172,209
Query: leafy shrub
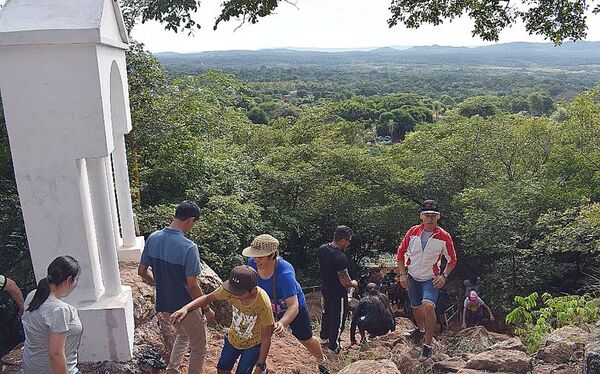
533,324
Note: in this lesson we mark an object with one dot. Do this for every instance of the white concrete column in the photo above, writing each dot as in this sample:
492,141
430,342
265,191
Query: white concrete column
123,192
113,203
103,221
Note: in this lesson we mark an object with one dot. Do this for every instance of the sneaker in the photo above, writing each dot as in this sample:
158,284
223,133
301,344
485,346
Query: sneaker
416,336
323,341
323,369
425,353
337,350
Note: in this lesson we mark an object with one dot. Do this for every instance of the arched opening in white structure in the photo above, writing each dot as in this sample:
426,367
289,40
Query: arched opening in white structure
15,261
119,115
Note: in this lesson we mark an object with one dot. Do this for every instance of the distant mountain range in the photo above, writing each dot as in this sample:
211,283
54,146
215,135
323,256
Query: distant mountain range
570,55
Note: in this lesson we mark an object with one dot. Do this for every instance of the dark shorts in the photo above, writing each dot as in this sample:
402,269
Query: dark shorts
300,326
229,355
419,291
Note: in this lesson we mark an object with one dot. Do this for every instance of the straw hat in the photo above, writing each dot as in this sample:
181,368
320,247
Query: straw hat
262,246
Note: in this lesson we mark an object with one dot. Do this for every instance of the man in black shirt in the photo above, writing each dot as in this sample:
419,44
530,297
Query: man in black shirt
334,283
373,314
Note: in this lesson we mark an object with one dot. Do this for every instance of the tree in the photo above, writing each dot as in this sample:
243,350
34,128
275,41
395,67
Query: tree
557,20
540,103
483,106
258,116
177,15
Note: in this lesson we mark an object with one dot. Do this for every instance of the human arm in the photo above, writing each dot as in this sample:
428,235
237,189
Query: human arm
15,292
402,271
450,255
290,314
201,302
464,316
56,353
355,315
146,274
345,279
489,311
266,332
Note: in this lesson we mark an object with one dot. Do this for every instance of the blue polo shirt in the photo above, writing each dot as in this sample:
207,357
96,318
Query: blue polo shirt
172,257
286,285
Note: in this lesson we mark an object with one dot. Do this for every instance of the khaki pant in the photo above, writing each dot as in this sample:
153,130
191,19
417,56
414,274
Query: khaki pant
190,332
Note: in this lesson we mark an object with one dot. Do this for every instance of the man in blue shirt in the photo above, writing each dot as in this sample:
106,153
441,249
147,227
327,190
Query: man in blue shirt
175,264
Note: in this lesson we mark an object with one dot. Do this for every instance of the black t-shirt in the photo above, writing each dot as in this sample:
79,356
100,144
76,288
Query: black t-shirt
332,260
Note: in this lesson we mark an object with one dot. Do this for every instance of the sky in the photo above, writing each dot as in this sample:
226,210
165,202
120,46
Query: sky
324,24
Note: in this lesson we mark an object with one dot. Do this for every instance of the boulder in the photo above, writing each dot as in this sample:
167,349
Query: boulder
545,368
475,371
371,367
210,281
471,340
572,336
501,361
451,365
555,353
591,360
509,344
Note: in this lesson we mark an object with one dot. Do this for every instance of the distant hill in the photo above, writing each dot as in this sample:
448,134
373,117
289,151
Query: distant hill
518,55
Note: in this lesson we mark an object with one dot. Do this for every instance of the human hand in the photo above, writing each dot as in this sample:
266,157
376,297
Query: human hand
354,284
404,281
464,326
258,370
209,314
179,315
439,281
279,327
492,318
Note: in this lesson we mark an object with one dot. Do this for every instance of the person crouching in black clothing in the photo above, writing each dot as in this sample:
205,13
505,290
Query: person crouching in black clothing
373,314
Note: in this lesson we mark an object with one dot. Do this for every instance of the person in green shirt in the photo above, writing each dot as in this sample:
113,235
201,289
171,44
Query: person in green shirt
249,336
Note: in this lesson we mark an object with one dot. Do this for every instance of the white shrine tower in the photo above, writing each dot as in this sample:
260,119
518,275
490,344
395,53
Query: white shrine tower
63,82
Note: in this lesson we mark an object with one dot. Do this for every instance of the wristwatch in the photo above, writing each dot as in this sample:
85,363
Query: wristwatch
262,366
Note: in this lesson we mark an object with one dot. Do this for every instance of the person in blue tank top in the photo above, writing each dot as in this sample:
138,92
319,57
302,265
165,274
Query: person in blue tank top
277,277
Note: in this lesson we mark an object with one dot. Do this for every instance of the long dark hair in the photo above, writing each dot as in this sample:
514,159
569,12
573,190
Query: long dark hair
59,271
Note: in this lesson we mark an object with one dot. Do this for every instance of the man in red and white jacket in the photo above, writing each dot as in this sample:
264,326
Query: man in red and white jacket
419,257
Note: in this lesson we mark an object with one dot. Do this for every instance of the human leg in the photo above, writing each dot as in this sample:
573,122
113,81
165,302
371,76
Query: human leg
302,330
324,334
229,355
337,318
430,297
180,347
194,327
415,296
248,360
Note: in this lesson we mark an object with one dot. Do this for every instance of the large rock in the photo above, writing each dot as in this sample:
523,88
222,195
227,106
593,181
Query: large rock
509,344
501,361
545,368
471,340
452,365
210,281
574,337
591,360
555,353
371,367
475,371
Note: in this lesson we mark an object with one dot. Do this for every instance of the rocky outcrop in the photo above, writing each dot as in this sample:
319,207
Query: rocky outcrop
371,367
510,344
452,365
501,361
591,361
468,341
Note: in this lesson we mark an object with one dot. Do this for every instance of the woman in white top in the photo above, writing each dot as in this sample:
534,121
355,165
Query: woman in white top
52,327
